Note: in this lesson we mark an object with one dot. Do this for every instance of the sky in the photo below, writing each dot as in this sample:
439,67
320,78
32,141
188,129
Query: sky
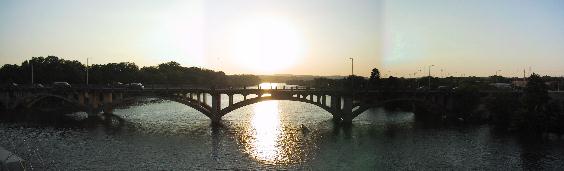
313,37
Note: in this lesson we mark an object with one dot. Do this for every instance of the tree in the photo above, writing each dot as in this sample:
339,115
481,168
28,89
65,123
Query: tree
535,98
374,78
375,74
535,93
50,69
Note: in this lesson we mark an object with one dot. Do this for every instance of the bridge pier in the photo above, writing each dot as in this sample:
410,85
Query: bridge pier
216,107
230,99
107,103
94,100
347,109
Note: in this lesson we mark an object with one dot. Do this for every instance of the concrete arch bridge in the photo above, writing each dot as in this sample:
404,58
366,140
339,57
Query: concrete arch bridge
342,105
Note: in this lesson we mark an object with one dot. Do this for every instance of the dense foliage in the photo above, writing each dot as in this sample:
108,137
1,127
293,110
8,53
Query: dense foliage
527,108
533,111
51,69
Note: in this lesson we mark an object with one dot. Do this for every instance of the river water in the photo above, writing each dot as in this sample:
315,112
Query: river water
165,135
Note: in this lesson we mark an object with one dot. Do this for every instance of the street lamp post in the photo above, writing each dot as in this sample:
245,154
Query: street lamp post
352,74
430,76
31,73
87,72
352,66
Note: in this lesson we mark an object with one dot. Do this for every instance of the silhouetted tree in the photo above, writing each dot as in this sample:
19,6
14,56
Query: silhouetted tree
375,74
535,93
374,78
535,98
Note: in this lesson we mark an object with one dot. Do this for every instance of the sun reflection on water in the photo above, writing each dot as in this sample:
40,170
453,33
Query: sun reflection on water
267,141
265,132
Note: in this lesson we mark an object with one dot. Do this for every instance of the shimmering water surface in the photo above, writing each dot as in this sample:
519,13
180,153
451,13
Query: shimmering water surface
166,135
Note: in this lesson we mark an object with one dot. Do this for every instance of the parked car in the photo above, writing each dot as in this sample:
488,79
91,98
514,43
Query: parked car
444,88
135,86
38,86
422,88
117,85
10,86
61,85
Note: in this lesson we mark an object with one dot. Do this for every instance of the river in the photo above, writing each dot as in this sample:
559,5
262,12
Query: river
164,135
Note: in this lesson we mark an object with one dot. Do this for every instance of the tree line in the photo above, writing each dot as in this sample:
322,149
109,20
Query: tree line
52,69
530,111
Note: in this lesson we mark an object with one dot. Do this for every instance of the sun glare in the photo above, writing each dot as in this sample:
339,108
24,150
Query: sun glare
266,45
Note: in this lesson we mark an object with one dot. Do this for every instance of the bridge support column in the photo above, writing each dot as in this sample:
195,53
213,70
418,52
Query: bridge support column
198,97
204,98
94,100
336,102
324,100
230,99
107,103
336,107
347,109
216,108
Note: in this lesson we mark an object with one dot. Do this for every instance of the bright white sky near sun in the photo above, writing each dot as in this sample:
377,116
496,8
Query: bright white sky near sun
313,37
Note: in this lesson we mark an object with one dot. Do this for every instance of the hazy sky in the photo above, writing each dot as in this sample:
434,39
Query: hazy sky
316,37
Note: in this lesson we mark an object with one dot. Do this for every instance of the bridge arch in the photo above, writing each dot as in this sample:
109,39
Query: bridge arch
251,101
31,100
428,104
192,103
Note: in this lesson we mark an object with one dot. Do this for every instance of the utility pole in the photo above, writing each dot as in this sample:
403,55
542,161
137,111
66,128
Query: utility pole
430,76
31,73
352,74
352,66
86,71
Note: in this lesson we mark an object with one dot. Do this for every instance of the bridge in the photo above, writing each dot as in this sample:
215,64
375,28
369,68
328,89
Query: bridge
342,105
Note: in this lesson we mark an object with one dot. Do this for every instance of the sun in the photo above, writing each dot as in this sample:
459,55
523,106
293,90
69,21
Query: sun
266,45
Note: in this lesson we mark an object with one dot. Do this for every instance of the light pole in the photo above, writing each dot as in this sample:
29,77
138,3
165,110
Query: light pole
31,72
415,78
352,66
430,76
86,71
352,74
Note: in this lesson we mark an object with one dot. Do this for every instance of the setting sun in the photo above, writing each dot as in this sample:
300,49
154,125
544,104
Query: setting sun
266,44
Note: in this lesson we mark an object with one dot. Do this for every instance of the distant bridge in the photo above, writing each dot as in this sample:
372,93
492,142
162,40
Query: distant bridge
342,105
